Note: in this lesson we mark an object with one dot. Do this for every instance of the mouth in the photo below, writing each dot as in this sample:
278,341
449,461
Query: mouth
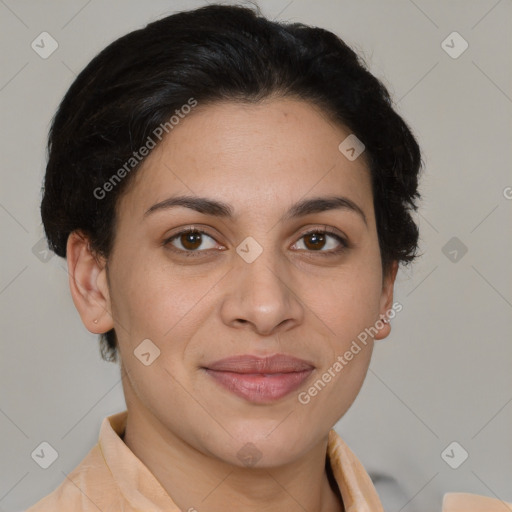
260,379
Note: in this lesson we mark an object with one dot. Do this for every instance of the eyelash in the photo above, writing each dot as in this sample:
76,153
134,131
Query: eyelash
316,231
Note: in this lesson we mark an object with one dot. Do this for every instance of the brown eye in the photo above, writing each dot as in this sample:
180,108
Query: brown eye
315,240
191,241
323,241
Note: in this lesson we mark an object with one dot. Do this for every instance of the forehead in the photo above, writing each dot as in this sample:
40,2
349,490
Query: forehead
258,155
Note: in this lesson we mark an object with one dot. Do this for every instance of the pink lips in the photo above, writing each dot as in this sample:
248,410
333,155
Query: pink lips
260,379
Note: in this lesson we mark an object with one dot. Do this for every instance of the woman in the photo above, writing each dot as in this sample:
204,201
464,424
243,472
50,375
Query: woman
233,198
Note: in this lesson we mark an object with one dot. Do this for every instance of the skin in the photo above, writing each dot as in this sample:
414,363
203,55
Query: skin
260,159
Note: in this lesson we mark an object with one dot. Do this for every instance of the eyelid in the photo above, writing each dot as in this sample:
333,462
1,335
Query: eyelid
327,230
188,229
321,229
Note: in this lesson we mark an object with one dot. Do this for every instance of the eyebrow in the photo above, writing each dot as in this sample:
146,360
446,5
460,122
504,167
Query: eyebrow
220,209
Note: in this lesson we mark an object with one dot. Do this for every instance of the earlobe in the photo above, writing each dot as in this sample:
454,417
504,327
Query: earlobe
88,284
386,303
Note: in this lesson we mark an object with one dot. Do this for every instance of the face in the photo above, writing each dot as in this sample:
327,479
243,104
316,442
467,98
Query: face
254,279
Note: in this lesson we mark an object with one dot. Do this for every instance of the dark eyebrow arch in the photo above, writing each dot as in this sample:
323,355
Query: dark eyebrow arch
322,204
220,209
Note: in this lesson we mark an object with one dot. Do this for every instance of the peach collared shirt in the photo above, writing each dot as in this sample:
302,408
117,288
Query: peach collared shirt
112,479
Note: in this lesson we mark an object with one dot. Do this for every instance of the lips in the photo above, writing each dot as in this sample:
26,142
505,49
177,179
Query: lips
260,379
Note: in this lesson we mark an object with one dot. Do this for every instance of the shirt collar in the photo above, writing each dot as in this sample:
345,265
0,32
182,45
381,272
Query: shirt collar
144,492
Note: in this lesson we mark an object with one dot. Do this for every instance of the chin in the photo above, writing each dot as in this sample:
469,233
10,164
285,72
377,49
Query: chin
267,443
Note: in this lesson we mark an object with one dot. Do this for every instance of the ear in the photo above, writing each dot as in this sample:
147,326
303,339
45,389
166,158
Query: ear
386,300
88,284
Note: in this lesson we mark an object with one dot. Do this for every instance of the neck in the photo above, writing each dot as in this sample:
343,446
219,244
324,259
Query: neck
197,481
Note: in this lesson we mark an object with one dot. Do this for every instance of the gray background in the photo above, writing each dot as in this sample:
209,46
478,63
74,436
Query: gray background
445,372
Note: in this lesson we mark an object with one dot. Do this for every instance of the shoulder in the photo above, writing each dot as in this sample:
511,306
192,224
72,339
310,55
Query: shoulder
467,502
77,490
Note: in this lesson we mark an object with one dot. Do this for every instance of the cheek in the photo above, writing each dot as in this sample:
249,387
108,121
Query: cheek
348,306
144,294
349,301
338,385
153,299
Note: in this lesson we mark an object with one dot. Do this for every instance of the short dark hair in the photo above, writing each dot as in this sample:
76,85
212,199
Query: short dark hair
209,54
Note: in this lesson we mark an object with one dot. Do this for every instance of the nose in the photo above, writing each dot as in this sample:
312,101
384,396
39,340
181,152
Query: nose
260,296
